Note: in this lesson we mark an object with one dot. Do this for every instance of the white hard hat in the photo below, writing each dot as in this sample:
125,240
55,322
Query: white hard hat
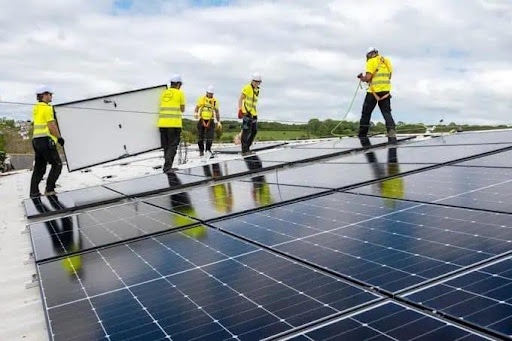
256,77
209,89
176,78
44,88
371,49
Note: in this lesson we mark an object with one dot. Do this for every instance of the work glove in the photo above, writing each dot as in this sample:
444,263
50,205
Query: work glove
196,116
60,140
240,113
219,125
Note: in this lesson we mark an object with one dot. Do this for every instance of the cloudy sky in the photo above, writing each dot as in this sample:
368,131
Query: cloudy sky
452,58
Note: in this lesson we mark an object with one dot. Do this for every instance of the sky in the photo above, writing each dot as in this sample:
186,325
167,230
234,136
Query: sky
451,58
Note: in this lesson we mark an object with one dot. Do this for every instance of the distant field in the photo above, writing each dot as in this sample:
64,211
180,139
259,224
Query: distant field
271,135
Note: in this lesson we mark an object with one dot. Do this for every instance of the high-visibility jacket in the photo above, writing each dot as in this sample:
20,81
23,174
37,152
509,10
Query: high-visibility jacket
207,107
381,69
41,115
170,115
251,99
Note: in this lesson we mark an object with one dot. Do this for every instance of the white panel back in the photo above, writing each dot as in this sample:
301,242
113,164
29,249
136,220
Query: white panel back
108,128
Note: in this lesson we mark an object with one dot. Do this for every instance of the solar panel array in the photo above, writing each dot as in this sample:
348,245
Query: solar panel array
334,240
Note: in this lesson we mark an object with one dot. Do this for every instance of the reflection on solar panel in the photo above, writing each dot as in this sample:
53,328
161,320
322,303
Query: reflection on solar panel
88,230
69,201
255,147
387,243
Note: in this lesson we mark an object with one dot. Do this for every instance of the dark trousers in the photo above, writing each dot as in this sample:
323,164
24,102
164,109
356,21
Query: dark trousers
205,135
249,130
369,104
45,153
170,140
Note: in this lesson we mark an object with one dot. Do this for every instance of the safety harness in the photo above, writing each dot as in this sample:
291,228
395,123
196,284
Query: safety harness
385,62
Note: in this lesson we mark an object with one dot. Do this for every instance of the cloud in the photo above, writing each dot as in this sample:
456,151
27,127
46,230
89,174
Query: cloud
451,59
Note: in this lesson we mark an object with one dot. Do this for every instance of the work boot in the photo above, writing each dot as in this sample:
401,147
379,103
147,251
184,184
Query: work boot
48,193
201,153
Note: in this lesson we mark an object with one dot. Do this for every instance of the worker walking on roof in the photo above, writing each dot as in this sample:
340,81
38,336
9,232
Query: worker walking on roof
45,138
207,108
247,111
170,120
378,76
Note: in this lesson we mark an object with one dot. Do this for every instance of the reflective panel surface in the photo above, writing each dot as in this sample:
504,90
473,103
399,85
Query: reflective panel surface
258,146
482,297
69,201
390,321
343,143
100,227
217,200
503,159
483,137
386,243
471,187
182,286
153,184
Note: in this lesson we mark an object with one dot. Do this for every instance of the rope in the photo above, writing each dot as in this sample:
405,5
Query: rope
359,86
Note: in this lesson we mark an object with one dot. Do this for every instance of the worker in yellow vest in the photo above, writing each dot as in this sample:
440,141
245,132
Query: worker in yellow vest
378,76
44,141
206,110
170,115
247,111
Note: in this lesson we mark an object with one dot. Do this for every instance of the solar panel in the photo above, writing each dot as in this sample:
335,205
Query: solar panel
69,201
97,228
389,244
489,189
183,287
467,138
343,143
428,155
482,297
220,199
154,184
231,168
255,147
336,175
389,321
502,160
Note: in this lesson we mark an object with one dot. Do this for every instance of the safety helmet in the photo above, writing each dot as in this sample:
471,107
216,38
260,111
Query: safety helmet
256,77
176,78
209,89
43,89
371,49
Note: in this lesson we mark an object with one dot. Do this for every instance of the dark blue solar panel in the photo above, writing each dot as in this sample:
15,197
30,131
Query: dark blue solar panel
390,321
428,155
188,286
96,228
482,297
390,244
258,146
69,201
342,143
469,187
467,138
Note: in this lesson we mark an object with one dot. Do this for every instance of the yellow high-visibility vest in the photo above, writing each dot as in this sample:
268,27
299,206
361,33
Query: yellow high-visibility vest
251,99
207,107
170,115
381,69
41,115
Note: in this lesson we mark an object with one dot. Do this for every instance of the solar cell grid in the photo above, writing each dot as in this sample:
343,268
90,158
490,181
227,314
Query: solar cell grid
390,321
96,228
390,247
482,297
183,287
489,189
